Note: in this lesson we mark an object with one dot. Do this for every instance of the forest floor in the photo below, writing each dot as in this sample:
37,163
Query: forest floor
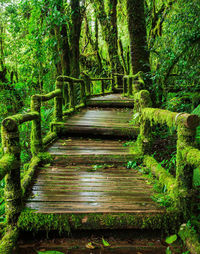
100,242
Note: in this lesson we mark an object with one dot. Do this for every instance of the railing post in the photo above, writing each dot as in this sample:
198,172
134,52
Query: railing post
130,86
36,136
184,171
13,191
83,92
141,101
102,87
71,95
58,102
112,85
124,86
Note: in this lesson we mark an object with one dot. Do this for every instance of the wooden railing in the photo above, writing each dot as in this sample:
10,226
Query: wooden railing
132,84
15,187
180,186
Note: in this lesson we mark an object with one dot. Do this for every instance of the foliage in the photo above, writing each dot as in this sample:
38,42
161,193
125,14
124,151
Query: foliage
50,252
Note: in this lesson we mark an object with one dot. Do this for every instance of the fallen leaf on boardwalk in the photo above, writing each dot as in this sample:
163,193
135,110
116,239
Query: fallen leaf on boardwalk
85,219
90,246
105,243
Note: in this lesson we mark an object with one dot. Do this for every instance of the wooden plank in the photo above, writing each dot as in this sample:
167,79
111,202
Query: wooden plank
94,206
40,189
104,123
61,198
87,152
111,97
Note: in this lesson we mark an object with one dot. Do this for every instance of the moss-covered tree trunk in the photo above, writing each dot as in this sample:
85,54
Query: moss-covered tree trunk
109,30
77,17
62,48
137,32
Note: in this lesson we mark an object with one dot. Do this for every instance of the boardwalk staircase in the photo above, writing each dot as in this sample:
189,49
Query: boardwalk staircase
78,176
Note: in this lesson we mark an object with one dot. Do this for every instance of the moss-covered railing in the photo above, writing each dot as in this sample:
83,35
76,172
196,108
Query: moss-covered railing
132,84
15,187
179,187
83,89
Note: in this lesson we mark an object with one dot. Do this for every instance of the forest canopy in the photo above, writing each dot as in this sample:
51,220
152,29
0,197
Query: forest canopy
40,40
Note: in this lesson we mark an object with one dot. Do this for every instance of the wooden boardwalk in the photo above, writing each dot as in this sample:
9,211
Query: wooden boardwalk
89,174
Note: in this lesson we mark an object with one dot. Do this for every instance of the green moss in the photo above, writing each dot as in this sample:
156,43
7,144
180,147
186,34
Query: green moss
28,177
49,138
6,164
190,238
45,157
35,222
9,240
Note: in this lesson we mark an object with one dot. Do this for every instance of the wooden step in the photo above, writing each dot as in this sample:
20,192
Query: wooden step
99,122
111,100
91,151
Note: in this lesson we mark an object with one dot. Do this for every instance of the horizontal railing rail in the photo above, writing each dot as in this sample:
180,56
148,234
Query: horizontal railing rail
179,186
15,187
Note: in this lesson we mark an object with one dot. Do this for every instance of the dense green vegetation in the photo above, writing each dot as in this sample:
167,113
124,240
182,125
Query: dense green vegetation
41,39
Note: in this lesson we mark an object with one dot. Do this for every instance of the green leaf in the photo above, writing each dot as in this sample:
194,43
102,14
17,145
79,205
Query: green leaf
171,239
105,243
50,252
168,251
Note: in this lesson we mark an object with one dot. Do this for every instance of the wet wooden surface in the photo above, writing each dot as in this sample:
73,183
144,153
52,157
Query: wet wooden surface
88,175
104,121
91,188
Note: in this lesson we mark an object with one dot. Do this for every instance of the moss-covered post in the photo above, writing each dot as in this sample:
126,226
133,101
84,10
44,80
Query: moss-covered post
142,100
130,86
65,93
124,86
83,92
184,171
36,136
13,192
71,95
102,87
112,84
58,102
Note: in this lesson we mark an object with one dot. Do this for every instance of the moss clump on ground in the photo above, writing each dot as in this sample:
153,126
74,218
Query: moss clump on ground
190,238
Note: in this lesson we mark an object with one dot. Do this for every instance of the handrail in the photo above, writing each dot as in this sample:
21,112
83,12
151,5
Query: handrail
187,156
10,162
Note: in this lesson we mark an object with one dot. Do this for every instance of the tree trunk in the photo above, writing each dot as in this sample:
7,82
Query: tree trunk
137,32
77,18
110,32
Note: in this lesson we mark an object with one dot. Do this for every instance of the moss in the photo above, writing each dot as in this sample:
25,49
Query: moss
35,222
36,136
176,193
191,155
9,240
49,138
28,177
68,79
45,157
58,102
6,164
49,96
190,238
